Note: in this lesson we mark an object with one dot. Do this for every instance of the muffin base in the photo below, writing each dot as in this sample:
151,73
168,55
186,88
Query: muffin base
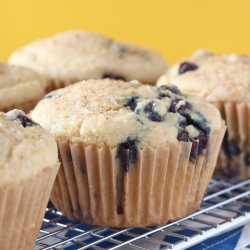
163,185
234,157
22,209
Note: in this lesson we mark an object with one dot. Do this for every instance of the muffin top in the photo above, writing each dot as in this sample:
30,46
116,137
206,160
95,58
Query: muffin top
76,55
111,112
214,77
19,84
26,148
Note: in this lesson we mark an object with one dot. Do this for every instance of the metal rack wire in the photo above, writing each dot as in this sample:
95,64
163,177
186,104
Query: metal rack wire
225,206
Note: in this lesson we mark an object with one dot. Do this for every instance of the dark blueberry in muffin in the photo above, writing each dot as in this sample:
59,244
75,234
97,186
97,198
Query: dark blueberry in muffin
131,102
203,143
184,108
114,76
174,89
52,95
194,150
173,106
183,136
230,147
247,159
127,153
151,113
187,66
25,121
183,122
200,122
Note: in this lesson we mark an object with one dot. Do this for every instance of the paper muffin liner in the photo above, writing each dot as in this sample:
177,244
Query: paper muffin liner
234,157
26,106
22,208
164,184
53,84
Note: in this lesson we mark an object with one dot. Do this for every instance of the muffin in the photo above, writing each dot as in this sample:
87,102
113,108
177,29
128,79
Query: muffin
77,55
20,88
132,155
223,80
28,166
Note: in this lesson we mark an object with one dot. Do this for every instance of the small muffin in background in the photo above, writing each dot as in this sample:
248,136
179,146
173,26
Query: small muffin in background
76,55
132,155
20,88
223,80
28,167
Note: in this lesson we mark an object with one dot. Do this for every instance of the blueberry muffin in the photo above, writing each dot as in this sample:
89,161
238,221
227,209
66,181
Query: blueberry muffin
20,88
28,166
77,55
132,154
223,80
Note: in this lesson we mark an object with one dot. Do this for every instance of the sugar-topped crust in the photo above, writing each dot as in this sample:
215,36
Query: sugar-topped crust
19,85
75,55
215,77
26,148
110,112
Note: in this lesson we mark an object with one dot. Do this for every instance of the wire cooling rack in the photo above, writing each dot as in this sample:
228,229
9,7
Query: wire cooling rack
225,206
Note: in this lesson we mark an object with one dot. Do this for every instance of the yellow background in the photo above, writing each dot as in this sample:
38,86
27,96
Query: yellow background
176,28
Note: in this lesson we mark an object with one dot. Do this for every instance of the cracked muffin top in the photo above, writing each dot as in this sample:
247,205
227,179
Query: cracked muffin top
77,55
19,85
214,77
111,112
26,148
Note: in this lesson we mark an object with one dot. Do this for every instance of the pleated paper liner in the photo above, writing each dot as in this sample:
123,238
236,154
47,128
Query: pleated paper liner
54,84
162,185
234,157
22,208
25,106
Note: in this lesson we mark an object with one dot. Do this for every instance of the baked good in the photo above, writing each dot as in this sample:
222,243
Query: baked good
125,149
28,166
20,88
223,80
76,55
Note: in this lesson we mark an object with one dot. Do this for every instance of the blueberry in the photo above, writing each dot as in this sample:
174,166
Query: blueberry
183,136
114,76
182,108
119,208
203,144
151,113
131,102
127,153
187,66
230,147
52,95
174,89
200,122
25,121
247,159
173,106
194,150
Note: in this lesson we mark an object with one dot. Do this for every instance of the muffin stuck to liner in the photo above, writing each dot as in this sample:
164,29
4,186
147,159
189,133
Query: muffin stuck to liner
28,167
76,55
20,88
223,80
132,154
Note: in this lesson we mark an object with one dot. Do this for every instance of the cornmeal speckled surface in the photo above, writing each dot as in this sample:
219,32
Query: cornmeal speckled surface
110,112
19,85
214,77
77,55
26,148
